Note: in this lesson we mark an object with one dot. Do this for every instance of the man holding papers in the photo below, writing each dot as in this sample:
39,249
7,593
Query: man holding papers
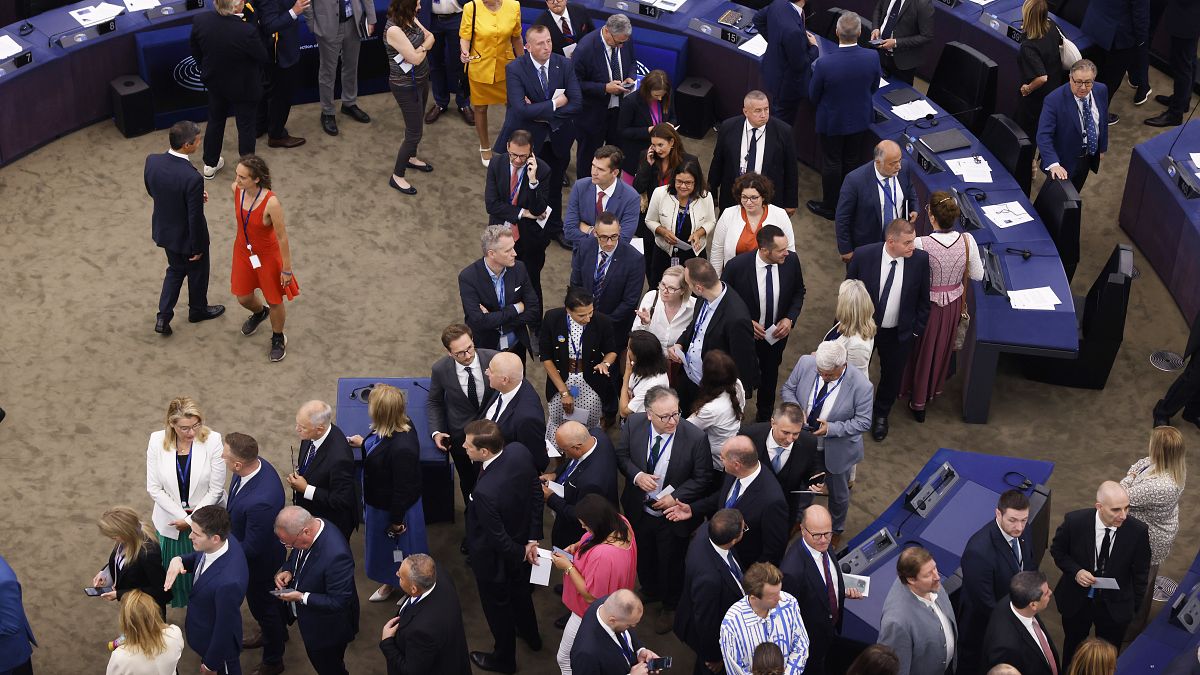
1104,555
589,467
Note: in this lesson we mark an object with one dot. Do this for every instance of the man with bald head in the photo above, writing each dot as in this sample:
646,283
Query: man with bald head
872,196
323,476
516,407
606,643
1105,542
589,466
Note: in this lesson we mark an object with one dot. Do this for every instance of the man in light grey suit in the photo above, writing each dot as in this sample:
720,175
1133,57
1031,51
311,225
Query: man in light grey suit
339,26
918,621
837,404
451,405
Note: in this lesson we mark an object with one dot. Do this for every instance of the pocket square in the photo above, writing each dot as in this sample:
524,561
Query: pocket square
516,289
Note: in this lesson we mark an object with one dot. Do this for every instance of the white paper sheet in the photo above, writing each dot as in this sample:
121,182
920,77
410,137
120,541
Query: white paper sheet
863,584
140,5
552,451
670,489
1195,155
637,244
568,50
770,336
579,414
971,169
882,83
913,110
556,488
1041,298
8,47
1106,583
90,16
540,573
756,45
558,92
1006,214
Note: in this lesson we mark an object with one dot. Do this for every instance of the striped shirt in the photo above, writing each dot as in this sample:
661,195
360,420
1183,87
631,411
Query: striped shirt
742,630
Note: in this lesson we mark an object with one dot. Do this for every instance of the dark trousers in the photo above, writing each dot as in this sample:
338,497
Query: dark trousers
328,660
277,104
1112,71
558,168
893,355
468,471
178,269
661,552
412,107
769,358
891,72
590,140
219,110
839,156
1183,68
1077,626
1079,174
268,612
785,108
686,389
1182,394
444,67
508,608
23,669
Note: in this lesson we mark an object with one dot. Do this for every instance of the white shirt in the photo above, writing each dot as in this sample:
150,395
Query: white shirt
207,559
724,554
745,149
311,490
565,16
613,635
776,450
931,602
638,386
744,483
1028,623
304,599
246,479
412,601
659,470
693,354
473,371
501,404
180,155
893,183
1112,537
615,71
446,7
719,422
760,268
891,310
816,556
899,6
666,330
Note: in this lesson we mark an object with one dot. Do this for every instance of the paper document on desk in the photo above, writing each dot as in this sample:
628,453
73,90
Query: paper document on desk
913,110
1006,214
540,573
982,3
971,169
1041,298
140,5
1195,156
90,16
882,83
756,45
9,47
670,5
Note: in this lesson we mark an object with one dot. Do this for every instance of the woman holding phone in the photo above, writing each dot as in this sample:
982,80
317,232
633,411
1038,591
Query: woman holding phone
135,562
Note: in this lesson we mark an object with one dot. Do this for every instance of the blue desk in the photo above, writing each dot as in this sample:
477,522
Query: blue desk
1161,641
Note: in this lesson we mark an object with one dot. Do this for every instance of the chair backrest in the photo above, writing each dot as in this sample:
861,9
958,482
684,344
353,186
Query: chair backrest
1107,300
964,84
1059,206
1071,11
825,24
1009,143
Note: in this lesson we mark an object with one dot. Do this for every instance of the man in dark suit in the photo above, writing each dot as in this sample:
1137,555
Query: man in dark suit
992,557
504,525
905,27
843,83
323,479
812,575
789,452
179,227
516,407
427,634
231,57
214,616
872,196
255,498
1117,28
606,643
712,582
518,194
788,61
605,64
319,578
457,390
1183,27
443,18
568,23
603,192
755,493
1069,148
590,468
498,298
771,284
720,321
612,271
897,277
1015,634
755,143
1182,394
1103,543
655,452
280,29
16,638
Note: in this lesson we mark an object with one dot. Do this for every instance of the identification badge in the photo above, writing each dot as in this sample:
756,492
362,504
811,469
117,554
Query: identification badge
674,260
254,262
397,555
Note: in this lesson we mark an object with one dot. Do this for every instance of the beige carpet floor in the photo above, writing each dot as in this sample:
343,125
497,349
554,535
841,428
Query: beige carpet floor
85,379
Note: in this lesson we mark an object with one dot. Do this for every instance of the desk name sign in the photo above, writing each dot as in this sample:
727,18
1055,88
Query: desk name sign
1184,177
925,158
949,3
73,38
167,11
21,60
634,7
1002,27
716,31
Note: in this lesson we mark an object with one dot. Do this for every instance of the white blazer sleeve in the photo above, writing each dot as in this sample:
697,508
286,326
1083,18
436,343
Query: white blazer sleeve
214,487
779,218
716,253
154,480
705,215
654,213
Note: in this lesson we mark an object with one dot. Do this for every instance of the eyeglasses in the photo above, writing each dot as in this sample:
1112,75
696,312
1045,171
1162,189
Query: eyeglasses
181,428
1083,83
663,288
608,237
685,183
818,535
464,353
667,419
520,158
751,198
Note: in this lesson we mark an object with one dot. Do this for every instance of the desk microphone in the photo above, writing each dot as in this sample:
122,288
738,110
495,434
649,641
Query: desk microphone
1183,176
25,29
1026,254
933,121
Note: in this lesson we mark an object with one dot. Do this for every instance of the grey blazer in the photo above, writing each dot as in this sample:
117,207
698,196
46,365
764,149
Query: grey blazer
915,633
850,417
447,407
322,15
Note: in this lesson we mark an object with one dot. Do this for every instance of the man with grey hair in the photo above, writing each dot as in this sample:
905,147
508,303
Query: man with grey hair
843,82
499,301
606,643
322,477
872,196
755,142
1072,132
605,65
427,634
179,227
837,405
1016,635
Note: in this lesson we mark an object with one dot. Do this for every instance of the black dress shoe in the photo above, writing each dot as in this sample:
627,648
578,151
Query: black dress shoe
1164,119
356,113
1162,99
488,661
534,641
819,209
426,167
329,125
879,428
918,415
410,190
285,142
163,327
210,312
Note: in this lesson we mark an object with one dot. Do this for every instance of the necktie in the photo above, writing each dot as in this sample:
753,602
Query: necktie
200,566
1016,549
889,24
734,494
407,602
566,29
752,154
472,392
615,64
654,454
881,306
777,460
499,406
830,588
312,452
1105,548
567,471
812,420
599,205
1045,647
734,567
1089,126
545,81
769,315
514,185
234,486
627,648
601,274
889,202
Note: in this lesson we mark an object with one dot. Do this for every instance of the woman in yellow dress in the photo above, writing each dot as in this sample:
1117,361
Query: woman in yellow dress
497,31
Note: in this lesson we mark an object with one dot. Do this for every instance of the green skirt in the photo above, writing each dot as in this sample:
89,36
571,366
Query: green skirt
171,548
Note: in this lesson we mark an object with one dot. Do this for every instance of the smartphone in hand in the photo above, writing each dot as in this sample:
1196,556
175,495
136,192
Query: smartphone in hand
97,591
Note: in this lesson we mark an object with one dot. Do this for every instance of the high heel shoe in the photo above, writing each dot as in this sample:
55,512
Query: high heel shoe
485,160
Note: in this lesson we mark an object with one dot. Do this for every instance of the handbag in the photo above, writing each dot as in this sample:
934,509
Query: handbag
1068,53
964,319
464,81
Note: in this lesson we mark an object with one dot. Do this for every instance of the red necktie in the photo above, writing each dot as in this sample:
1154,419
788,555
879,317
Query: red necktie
599,204
512,190
566,30
1045,647
831,589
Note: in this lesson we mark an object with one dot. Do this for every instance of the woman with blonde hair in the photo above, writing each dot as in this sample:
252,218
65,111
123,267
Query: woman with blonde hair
394,517
150,646
855,327
184,471
135,563
489,36
1094,657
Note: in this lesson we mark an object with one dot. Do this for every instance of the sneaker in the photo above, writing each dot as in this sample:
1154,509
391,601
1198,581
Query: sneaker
210,172
1141,95
278,348
1113,118
251,324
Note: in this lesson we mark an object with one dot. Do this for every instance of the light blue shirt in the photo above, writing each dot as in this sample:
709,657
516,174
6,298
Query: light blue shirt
693,358
742,630
506,339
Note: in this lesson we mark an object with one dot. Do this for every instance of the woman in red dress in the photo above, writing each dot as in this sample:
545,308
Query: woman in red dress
262,258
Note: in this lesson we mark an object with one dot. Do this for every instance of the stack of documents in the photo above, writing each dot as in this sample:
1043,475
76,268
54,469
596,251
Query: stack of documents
756,45
971,169
913,110
1006,214
8,48
90,16
1042,298
140,5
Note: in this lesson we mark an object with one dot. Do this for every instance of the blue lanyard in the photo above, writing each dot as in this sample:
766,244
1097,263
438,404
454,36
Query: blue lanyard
244,217
818,403
681,216
661,451
371,442
185,474
575,348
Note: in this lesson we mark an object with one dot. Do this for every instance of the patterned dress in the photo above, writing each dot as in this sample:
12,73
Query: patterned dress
587,397
1154,500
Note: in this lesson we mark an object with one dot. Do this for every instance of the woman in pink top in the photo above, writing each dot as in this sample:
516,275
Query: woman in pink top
604,560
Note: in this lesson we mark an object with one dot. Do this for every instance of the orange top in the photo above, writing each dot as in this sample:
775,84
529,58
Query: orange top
747,242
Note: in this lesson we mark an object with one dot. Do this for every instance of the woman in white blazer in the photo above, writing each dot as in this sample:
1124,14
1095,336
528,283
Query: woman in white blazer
681,211
182,459
738,225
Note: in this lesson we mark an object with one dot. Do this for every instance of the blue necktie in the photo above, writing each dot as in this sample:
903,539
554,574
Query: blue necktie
627,648
1089,126
812,421
881,306
233,489
1016,549
545,81
734,567
199,566
776,463
889,202
734,494
567,471
769,316
601,271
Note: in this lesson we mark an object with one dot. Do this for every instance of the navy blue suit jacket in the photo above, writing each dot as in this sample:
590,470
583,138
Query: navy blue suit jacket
523,421
498,201
787,63
622,285
595,475
914,293
581,24
709,590
539,117
252,511
806,582
591,68
178,223
1060,131
475,289
594,652
280,32
625,204
730,330
16,637
1117,24
859,218
214,616
741,274
843,82
988,566
765,511
505,512
330,618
